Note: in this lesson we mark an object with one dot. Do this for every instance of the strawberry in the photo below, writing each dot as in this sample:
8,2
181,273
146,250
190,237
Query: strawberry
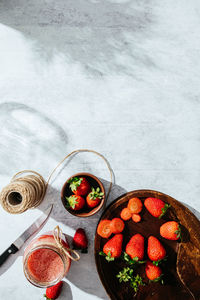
75,202
94,197
170,230
156,207
135,205
153,272
125,214
104,228
136,218
113,248
53,292
117,225
79,186
80,240
135,247
155,249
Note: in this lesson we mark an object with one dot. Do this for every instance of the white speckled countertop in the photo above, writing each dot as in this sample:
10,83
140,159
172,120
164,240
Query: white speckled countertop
117,76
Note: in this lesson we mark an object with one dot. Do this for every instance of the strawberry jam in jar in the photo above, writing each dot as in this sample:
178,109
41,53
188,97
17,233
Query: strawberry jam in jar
45,262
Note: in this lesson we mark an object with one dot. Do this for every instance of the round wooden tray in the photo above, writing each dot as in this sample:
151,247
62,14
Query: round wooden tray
183,264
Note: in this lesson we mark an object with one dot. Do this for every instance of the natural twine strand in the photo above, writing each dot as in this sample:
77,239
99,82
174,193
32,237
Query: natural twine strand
28,192
58,234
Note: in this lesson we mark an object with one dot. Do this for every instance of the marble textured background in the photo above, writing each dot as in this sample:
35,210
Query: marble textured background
117,76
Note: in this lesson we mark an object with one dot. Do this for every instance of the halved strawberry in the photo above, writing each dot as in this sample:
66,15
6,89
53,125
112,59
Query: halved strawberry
135,205
79,186
104,229
125,214
75,202
117,225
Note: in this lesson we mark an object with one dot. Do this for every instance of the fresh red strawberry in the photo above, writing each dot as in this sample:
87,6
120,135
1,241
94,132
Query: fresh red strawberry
170,230
79,186
156,207
53,292
117,225
153,272
135,247
80,240
94,197
75,202
113,248
155,249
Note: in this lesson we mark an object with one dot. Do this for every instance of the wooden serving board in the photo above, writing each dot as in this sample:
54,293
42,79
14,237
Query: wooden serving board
182,271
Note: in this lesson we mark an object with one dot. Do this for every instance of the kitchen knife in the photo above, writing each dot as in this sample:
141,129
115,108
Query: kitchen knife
19,242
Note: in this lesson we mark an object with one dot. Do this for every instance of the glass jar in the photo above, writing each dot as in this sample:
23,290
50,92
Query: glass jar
45,264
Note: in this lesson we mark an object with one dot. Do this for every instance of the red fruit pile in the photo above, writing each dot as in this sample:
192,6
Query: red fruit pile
135,248
83,195
107,227
132,210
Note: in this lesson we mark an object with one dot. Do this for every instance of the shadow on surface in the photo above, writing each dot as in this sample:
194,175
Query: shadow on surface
66,293
102,36
34,136
59,212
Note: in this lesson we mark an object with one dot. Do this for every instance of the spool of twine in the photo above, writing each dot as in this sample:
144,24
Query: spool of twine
23,193
27,192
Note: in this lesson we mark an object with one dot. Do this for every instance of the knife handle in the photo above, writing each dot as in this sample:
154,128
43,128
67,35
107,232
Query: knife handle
11,250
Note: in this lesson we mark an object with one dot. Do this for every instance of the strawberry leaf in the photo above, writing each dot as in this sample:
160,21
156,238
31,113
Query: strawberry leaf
159,261
136,282
125,275
108,257
71,201
164,210
94,194
133,261
158,279
178,232
75,183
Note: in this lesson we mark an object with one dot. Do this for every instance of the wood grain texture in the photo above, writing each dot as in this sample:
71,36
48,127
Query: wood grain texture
182,272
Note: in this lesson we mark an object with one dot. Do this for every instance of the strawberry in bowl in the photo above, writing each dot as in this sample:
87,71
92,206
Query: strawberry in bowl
83,194
94,197
79,186
75,202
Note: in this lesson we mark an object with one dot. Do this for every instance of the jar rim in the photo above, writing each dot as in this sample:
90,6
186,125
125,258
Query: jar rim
36,282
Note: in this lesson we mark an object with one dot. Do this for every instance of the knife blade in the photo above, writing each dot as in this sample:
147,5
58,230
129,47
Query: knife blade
19,242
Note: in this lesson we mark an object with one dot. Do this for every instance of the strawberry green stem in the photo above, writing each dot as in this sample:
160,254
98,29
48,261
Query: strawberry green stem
94,194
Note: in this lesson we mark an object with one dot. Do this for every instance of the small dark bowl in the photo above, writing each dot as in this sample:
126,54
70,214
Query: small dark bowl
85,211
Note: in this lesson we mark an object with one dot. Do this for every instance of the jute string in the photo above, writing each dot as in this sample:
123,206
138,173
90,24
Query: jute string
27,192
58,234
